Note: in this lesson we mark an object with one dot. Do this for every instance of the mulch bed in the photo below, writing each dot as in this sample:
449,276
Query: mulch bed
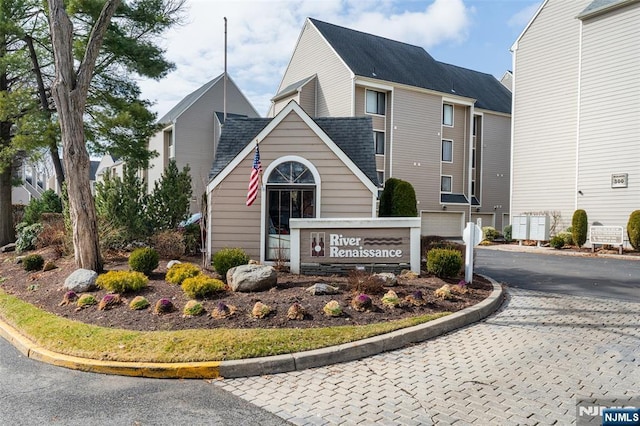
44,290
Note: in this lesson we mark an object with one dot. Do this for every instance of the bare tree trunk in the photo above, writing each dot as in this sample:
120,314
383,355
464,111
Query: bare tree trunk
70,95
7,232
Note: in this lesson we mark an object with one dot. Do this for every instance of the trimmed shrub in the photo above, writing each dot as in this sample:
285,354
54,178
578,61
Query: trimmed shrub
490,233
138,303
201,286
33,262
122,281
398,199
144,260
557,242
386,197
633,229
181,271
579,225
507,232
169,244
27,236
228,258
444,262
567,237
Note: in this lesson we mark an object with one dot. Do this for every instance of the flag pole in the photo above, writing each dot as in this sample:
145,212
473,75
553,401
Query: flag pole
224,82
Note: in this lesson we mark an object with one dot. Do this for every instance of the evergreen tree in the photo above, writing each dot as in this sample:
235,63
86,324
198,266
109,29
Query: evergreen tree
169,201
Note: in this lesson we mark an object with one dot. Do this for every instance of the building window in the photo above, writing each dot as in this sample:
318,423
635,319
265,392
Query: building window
473,188
473,157
375,102
378,140
445,183
447,115
447,151
380,178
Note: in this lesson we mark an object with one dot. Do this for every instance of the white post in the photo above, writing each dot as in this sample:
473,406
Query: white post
468,262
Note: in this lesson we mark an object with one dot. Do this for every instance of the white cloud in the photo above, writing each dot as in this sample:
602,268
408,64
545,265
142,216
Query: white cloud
522,17
262,35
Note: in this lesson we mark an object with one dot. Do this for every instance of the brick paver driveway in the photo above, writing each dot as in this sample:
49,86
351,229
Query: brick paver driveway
524,365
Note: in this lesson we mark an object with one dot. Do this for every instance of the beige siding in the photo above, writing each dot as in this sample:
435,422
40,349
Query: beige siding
308,98
488,219
281,103
343,194
157,164
444,224
334,85
458,169
495,156
545,103
417,143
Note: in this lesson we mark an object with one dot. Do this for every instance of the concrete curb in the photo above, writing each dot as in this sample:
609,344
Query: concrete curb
265,365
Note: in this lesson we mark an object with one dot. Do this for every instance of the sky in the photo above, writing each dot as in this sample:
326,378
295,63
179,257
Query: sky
262,34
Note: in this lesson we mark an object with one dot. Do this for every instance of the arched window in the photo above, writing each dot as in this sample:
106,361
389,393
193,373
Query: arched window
291,172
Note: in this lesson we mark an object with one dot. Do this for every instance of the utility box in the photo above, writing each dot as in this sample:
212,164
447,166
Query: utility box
539,228
520,228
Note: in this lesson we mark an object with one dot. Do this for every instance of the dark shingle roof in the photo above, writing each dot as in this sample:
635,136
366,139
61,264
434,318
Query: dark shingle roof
187,101
93,168
486,89
220,116
377,57
353,135
599,6
458,199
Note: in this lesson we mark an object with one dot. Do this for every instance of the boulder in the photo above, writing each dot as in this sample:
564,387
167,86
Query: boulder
172,262
81,280
319,289
388,279
248,278
7,248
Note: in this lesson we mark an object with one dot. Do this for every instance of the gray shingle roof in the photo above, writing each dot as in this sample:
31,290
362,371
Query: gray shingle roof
377,57
458,199
292,88
597,6
188,100
353,135
220,116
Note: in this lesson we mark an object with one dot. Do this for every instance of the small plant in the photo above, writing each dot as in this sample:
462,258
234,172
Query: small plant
32,262
86,300
163,306
633,229
460,288
359,281
260,310
416,298
68,298
169,244
144,260
362,303
181,271
567,237
296,312
444,262
579,225
490,233
507,232
201,286
138,303
122,281
193,308
332,309
108,301
222,310
228,258
557,242
444,292
391,299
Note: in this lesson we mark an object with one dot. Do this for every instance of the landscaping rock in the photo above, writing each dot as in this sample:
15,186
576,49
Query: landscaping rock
248,278
388,279
172,262
81,280
19,259
7,248
319,289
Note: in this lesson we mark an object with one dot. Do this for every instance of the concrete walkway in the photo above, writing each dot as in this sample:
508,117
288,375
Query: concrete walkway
524,365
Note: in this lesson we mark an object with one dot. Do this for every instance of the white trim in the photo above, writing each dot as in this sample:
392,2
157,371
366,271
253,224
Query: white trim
578,101
446,192
442,141
375,114
374,85
453,113
384,145
391,134
458,101
362,81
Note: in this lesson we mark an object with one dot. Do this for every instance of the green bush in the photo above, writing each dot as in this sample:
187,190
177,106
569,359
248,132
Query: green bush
32,262
49,202
557,242
567,237
633,229
398,199
27,236
181,271
122,281
144,260
86,300
201,286
508,233
444,262
579,225
228,258
386,197
490,233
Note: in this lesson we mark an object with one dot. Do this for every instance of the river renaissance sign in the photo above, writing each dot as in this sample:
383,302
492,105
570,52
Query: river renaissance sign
355,241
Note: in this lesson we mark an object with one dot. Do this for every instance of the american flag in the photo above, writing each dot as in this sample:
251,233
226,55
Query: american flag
254,180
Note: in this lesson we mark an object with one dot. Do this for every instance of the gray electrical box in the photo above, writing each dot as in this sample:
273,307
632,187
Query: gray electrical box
520,227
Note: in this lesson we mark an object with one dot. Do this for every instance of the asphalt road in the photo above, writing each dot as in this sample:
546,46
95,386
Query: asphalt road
574,275
33,393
